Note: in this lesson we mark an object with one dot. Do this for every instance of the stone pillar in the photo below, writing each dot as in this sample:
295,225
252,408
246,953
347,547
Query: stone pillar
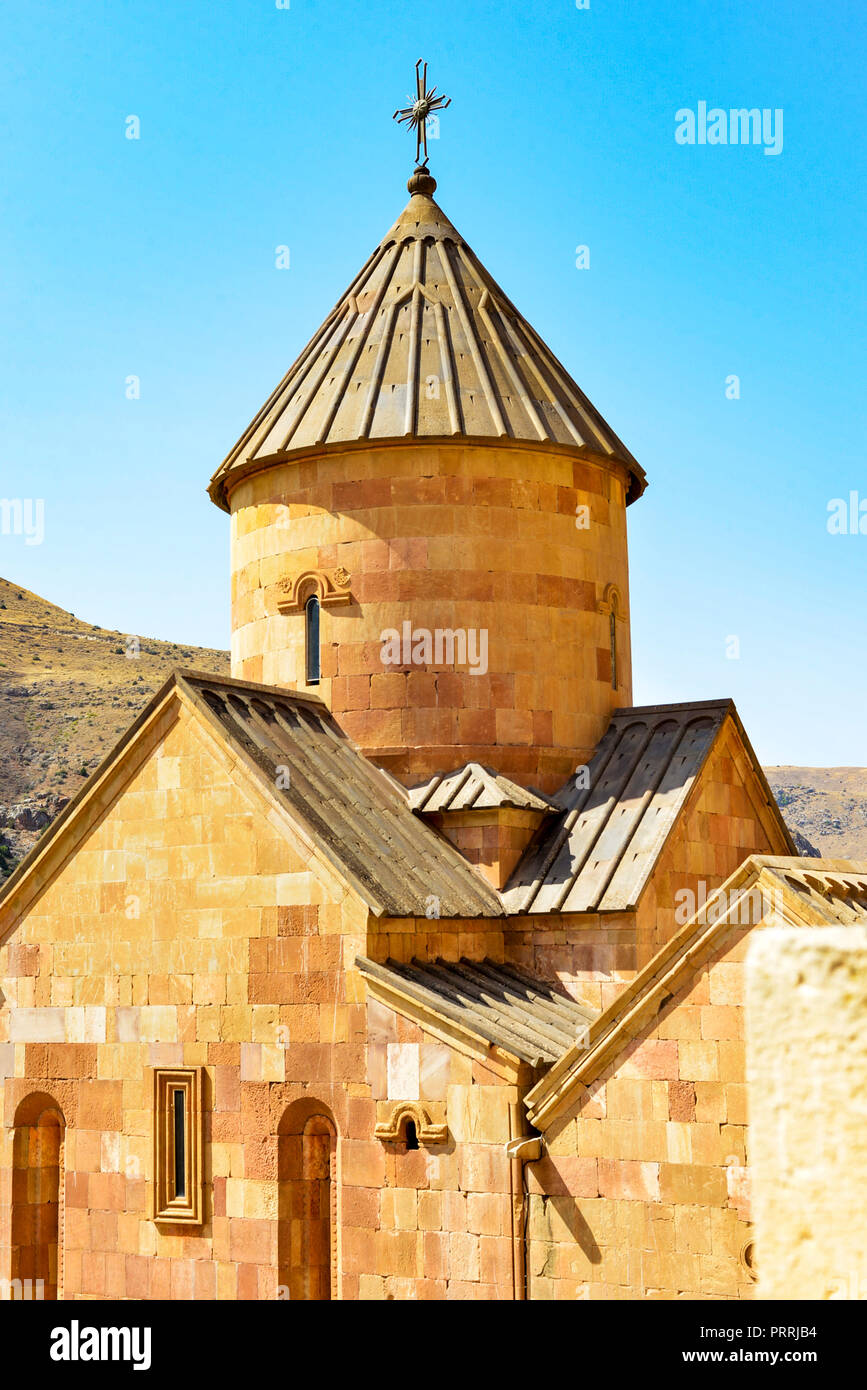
807,1078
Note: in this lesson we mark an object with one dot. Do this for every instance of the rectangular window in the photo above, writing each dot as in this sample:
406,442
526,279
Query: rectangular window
178,1145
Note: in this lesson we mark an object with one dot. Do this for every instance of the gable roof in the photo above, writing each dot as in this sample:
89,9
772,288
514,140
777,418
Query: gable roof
831,892
524,1016
600,852
423,306
596,855
798,892
356,815
475,788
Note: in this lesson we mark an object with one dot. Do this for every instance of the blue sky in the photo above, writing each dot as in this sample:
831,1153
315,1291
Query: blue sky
263,127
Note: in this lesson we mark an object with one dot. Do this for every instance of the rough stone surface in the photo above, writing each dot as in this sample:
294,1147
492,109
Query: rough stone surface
807,1074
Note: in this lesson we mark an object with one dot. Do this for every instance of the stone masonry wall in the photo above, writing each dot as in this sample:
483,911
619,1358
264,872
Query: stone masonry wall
188,930
643,1191
722,824
451,537
184,931
434,1223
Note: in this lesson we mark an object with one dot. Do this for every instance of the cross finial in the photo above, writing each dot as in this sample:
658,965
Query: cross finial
415,116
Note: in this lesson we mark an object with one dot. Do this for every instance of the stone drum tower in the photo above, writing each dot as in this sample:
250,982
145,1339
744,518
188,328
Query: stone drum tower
429,524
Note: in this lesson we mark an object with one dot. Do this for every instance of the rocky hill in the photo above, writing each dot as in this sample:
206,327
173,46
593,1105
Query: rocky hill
828,805
68,690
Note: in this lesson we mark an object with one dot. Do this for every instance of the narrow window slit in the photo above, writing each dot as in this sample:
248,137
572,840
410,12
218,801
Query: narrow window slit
180,1144
311,616
613,631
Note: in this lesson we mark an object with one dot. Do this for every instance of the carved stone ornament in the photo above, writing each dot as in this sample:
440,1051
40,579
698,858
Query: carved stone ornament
611,602
329,586
394,1128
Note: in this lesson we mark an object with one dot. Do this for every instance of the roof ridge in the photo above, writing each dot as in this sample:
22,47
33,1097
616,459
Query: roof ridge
194,676
684,706
445,791
642,998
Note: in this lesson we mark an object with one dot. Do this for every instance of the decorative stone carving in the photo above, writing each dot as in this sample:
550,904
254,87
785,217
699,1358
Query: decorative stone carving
611,602
394,1128
747,1259
330,587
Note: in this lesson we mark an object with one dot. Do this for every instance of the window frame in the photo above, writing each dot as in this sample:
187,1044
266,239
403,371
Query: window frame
170,1204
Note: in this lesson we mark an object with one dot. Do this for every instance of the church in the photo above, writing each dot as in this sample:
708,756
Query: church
406,963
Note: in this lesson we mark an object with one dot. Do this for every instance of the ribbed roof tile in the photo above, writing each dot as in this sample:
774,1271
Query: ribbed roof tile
528,1017
599,854
475,788
357,815
424,345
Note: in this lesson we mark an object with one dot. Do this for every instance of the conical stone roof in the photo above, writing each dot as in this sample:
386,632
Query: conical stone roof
424,345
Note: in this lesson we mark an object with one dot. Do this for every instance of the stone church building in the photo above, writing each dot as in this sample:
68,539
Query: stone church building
407,962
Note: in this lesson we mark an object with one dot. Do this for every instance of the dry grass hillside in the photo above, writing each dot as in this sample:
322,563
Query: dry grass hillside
68,690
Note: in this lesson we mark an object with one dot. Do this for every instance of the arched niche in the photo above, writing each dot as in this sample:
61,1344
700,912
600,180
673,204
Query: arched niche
39,1129
307,1236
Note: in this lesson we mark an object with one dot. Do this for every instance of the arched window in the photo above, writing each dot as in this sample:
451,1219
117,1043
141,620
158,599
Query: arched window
610,603
411,1135
612,619
311,618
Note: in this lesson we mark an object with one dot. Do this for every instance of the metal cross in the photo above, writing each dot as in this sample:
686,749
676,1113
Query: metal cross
417,114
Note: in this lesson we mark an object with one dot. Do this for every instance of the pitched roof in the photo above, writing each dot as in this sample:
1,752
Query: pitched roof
771,889
356,815
423,306
830,891
526,1017
599,854
475,788
596,855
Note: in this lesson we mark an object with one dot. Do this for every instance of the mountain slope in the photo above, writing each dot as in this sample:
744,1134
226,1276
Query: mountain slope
68,690
826,804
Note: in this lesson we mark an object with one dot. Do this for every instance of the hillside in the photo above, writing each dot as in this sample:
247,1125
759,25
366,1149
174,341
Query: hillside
68,690
828,805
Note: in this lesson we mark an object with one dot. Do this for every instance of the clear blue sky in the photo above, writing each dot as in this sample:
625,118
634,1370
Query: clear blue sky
263,126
